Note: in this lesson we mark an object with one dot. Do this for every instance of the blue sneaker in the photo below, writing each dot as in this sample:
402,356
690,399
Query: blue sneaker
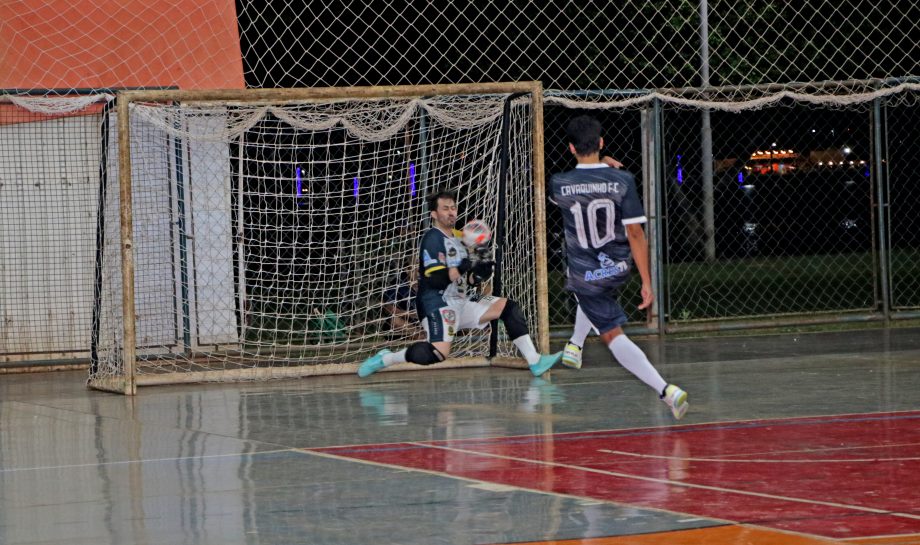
545,363
372,364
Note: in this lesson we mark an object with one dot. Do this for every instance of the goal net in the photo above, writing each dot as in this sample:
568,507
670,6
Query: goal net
52,157
273,233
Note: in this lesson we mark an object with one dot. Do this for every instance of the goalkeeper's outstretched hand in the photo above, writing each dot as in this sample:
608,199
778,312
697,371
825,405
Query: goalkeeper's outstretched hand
465,265
481,271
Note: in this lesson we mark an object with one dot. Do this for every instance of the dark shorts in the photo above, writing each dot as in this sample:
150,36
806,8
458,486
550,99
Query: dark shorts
604,310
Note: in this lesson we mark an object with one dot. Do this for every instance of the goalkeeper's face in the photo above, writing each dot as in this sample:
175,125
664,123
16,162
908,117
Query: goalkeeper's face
445,216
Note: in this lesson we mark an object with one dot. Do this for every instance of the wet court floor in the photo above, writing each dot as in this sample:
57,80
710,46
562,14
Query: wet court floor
790,439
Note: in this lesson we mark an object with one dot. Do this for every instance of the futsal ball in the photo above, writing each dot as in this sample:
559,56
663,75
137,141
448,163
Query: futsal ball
476,233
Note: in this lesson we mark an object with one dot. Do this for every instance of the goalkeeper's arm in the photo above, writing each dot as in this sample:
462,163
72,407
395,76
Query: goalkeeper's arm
440,277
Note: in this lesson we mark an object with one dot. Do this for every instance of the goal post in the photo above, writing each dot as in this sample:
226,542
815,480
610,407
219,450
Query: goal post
269,233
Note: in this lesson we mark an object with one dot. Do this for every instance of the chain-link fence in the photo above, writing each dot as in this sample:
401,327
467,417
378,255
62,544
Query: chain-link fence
792,203
900,142
804,226
796,204
589,44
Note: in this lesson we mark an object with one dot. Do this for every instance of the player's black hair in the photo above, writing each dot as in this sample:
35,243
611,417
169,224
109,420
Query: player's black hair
584,132
433,199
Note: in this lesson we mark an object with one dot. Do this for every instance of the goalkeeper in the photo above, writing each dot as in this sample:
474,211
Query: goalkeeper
448,300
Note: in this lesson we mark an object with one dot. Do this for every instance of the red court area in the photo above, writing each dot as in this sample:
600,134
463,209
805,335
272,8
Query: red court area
852,476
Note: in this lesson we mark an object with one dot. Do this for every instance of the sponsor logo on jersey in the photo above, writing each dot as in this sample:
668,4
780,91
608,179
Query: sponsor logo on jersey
449,317
452,252
427,259
609,268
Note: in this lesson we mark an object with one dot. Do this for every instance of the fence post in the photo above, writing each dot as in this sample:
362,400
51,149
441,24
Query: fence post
881,207
652,184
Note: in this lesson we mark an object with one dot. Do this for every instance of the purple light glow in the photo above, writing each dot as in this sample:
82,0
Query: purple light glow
299,188
356,188
412,179
680,172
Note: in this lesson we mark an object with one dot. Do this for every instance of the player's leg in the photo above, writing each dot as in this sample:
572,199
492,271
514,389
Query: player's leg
571,354
510,313
605,312
440,324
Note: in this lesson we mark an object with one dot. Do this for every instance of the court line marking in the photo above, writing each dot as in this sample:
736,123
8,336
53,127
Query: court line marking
144,460
679,483
882,539
435,473
719,522
827,449
639,431
767,460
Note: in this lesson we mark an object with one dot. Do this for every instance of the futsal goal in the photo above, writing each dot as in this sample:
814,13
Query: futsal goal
268,233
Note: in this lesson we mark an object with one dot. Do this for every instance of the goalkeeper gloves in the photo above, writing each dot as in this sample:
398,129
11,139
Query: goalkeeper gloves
481,272
465,265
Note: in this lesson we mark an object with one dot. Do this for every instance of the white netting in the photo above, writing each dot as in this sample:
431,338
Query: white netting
732,99
270,239
702,51
57,105
371,121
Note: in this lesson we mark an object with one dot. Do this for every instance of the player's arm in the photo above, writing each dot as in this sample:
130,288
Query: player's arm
440,276
611,162
638,245
455,272
434,270
439,273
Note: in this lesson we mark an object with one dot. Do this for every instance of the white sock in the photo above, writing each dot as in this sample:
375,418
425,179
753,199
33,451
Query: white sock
633,359
394,357
583,326
528,350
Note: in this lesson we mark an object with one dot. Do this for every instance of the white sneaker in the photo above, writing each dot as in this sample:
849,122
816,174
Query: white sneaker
571,356
677,400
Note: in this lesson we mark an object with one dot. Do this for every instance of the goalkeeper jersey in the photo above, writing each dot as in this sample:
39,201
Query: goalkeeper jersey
597,202
439,251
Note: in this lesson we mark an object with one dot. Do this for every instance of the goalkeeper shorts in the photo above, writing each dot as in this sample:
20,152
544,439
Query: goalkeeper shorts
444,319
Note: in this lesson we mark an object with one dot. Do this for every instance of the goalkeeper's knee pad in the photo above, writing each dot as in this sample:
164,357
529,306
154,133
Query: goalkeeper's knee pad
514,321
423,353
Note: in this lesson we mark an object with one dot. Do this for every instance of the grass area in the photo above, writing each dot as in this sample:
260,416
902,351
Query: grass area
764,286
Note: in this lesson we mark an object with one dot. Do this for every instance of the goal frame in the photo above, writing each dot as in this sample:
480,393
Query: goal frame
128,382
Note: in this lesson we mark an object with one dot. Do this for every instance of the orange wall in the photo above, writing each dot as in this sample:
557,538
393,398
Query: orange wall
190,44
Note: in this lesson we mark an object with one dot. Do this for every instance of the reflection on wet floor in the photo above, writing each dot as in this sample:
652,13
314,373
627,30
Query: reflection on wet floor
231,463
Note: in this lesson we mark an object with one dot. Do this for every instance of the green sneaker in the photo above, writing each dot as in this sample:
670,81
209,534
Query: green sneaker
544,364
677,400
372,364
571,356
